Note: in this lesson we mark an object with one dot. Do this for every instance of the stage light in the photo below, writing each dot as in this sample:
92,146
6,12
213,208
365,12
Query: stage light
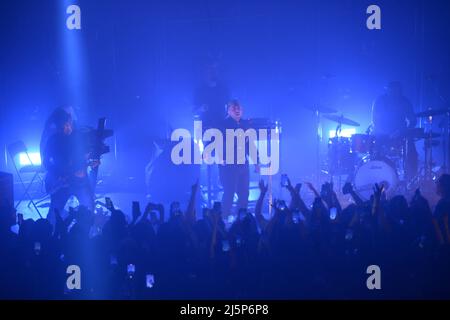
199,143
35,158
277,126
346,133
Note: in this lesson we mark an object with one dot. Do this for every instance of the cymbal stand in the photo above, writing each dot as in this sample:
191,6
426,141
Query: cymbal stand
319,135
446,144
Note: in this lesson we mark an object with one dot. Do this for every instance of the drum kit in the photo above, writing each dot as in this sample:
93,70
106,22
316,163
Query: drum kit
366,159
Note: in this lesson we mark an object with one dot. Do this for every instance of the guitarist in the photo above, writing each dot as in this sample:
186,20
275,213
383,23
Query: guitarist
66,157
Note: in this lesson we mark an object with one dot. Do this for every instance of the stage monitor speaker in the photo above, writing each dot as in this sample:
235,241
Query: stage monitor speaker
6,189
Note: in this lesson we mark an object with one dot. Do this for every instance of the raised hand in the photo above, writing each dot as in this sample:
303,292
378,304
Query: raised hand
417,195
378,191
136,211
95,163
150,206
418,198
310,186
194,187
326,193
348,188
262,186
289,185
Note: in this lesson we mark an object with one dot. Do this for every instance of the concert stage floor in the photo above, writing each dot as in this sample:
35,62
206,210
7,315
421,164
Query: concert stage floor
121,201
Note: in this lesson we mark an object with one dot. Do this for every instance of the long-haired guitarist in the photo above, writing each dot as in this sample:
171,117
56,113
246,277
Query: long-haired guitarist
65,158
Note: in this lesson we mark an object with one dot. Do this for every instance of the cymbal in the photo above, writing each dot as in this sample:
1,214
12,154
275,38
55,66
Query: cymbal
432,113
321,109
342,120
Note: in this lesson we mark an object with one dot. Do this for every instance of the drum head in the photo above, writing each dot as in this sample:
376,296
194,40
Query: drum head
375,171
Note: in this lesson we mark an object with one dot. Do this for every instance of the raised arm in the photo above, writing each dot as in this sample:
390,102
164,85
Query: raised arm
259,204
190,212
296,200
335,200
212,245
348,189
447,230
311,187
160,209
377,208
439,220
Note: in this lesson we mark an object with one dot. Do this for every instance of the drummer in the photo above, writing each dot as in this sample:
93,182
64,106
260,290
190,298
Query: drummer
392,113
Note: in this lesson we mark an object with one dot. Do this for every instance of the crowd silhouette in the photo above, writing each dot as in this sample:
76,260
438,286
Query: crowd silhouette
316,251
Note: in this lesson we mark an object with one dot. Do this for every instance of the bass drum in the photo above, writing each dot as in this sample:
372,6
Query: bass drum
379,171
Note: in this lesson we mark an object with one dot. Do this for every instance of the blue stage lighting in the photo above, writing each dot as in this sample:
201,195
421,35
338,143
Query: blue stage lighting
35,158
346,133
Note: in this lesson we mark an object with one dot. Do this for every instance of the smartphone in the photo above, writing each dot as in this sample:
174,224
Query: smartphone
284,180
149,281
333,213
281,205
349,234
296,217
37,248
131,269
225,245
347,188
